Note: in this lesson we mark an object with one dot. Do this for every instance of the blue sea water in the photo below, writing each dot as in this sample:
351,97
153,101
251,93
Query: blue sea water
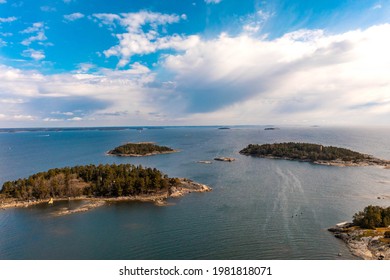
258,209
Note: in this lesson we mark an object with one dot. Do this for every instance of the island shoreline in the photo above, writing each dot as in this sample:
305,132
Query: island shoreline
186,186
362,243
340,163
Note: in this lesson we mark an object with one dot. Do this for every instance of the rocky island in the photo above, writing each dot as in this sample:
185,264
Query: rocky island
97,184
140,150
226,159
368,236
315,153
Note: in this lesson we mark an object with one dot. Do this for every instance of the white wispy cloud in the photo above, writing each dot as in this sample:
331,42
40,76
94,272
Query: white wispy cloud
8,19
48,9
39,29
212,1
2,43
34,54
36,27
142,34
74,16
3,1
376,7
253,23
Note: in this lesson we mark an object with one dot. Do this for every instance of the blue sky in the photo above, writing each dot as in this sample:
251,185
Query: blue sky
196,62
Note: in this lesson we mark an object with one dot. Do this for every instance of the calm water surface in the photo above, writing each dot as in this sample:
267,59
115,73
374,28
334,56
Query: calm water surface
259,208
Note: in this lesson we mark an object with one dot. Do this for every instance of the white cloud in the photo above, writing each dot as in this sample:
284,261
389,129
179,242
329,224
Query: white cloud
253,23
34,54
73,17
36,27
376,7
2,43
11,101
251,28
302,75
39,29
3,1
77,119
212,1
100,95
48,9
52,120
17,118
62,113
142,34
8,19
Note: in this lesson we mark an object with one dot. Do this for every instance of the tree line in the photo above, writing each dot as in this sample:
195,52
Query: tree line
372,217
139,149
90,180
302,151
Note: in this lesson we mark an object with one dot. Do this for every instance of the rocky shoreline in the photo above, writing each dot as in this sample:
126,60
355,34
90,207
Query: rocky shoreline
185,186
365,243
339,162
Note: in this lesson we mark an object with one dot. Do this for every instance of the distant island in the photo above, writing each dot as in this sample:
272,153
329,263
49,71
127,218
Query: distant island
368,236
315,153
96,183
140,150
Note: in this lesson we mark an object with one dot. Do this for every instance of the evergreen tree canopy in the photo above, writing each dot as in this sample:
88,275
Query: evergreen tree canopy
102,180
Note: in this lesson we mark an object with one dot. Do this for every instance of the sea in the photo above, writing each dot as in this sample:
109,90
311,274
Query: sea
259,209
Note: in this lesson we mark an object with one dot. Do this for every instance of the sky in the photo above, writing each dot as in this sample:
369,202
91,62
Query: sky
194,62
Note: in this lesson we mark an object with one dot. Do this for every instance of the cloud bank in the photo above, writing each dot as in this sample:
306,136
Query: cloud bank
302,77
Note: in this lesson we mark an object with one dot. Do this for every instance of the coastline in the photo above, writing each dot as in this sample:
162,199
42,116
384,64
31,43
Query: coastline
364,243
159,199
338,162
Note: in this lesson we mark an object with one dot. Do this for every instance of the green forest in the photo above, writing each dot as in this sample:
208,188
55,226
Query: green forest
372,217
302,151
90,180
139,149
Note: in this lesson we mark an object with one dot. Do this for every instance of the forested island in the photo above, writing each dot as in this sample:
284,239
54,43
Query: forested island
140,149
123,181
368,236
315,153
